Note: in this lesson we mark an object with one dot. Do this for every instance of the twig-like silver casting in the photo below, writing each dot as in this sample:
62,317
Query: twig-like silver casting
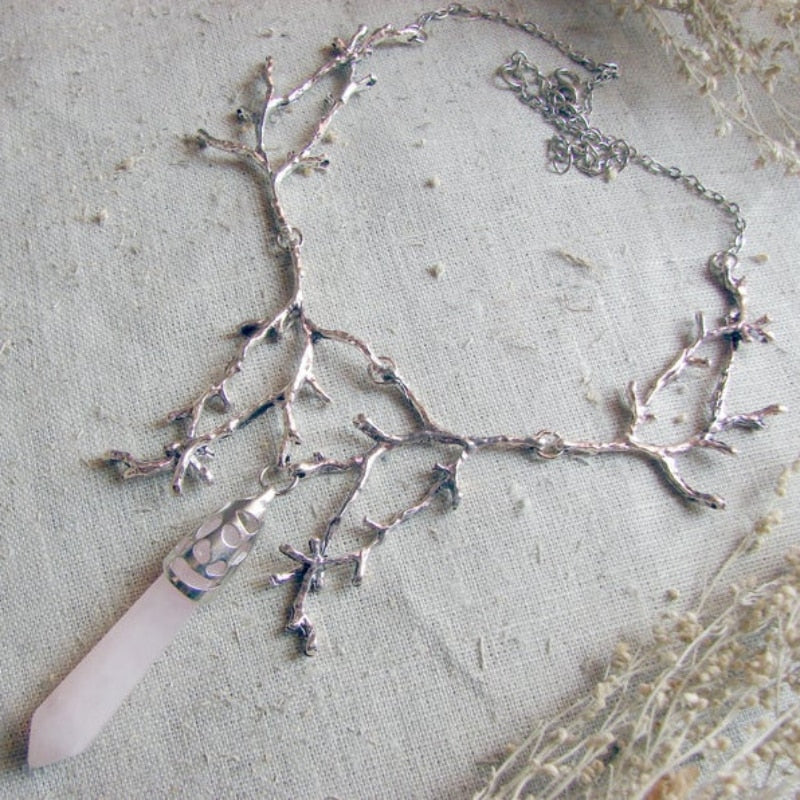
564,101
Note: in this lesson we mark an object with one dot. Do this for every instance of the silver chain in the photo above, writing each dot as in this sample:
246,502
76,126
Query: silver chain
565,102
602,71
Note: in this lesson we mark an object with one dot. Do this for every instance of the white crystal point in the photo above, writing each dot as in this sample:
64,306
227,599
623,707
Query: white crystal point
67,722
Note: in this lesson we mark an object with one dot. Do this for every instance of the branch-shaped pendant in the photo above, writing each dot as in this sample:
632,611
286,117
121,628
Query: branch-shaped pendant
563,99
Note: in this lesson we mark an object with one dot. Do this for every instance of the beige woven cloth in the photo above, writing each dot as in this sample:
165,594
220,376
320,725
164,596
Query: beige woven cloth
511,298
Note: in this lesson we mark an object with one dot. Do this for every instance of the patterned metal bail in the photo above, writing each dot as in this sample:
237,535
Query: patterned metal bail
202,561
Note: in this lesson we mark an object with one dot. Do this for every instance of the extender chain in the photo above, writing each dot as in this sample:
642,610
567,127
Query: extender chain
564,100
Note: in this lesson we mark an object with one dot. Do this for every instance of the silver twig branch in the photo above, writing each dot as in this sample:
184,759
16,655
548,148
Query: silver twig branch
564,101
191,454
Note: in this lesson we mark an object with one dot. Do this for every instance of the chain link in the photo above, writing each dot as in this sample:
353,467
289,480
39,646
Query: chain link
565,102
693,183
602,71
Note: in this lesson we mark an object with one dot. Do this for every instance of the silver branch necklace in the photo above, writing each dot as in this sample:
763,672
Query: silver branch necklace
204,559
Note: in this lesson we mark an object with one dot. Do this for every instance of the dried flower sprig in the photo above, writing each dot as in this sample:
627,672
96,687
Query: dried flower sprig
564,100
709,709
744,57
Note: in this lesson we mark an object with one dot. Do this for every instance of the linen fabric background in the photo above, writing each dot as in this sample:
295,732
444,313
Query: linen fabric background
512,299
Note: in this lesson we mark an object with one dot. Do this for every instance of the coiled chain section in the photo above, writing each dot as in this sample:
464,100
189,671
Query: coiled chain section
565,102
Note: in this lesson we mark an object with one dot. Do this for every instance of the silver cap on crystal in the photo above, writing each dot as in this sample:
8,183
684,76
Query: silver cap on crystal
202,561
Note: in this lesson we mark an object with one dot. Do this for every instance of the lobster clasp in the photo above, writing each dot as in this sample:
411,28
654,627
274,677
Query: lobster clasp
569,96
